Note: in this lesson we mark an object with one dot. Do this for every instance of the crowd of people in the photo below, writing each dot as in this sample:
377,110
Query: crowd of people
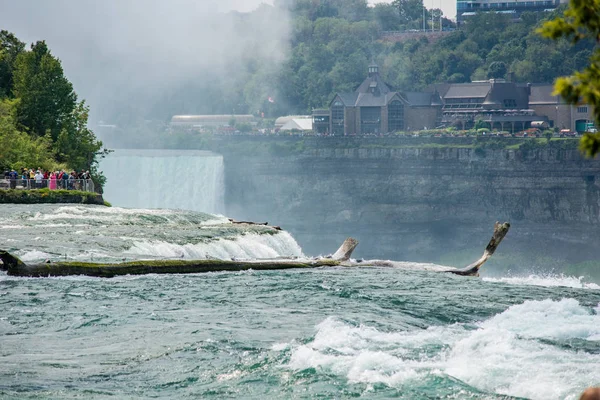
39,179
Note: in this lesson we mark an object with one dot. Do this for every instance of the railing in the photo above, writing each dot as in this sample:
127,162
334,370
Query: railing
86,185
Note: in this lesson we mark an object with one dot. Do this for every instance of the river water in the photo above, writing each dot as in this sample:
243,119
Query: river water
374,332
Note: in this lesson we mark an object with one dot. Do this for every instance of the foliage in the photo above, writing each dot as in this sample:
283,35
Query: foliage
580,22
332,42
10,48
497,70
47,196
42,125
18,149
330,53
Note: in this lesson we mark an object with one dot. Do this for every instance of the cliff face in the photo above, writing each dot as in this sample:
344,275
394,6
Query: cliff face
423,204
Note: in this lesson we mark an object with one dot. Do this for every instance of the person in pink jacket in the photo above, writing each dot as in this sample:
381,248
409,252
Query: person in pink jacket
52,181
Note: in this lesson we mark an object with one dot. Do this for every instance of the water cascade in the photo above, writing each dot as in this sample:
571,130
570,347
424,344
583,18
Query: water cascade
175,179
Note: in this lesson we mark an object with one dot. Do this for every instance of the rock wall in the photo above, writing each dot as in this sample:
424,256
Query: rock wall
423,203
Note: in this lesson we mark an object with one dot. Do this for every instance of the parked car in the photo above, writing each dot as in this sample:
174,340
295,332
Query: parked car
567,133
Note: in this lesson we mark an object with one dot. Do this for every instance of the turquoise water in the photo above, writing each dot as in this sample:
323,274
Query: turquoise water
371,332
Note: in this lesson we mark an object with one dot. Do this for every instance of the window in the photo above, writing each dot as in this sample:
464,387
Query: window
337,118
582,110
395,116
510,103
370,120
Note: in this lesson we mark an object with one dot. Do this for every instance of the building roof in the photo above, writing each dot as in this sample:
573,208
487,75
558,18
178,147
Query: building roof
281,121
210,119
419,99
374,83
349,99
468,90
502,91
542,94
301,124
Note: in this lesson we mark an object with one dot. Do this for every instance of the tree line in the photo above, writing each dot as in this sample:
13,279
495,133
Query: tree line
42,122
332,42
333,45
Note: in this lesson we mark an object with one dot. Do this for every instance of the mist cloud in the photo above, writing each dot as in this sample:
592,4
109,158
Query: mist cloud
139,50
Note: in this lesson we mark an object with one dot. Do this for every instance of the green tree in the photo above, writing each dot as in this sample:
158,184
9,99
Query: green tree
387,16
10,48
47,96
77,146
580,21
496,70
409,10
17,149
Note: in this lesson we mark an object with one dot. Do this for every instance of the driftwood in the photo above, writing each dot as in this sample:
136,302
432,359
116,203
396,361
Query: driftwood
14,266
233,221
500,230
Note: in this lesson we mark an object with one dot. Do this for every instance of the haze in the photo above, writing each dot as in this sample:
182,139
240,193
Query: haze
128,52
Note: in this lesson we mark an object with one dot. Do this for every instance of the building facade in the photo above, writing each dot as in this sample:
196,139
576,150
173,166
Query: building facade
374,108
560,114
498,104
466,8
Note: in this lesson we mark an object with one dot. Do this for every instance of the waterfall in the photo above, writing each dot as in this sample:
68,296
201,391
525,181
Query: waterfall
175,179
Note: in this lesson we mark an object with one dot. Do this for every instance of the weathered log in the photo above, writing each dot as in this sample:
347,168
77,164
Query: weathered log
345,250
341,257
15,267
500,230
233,221
8,260
107,270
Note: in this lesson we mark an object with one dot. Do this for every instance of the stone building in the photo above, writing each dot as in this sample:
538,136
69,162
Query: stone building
561,115
498,104
374,108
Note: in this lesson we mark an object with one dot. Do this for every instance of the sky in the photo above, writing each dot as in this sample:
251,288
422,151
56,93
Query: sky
114,50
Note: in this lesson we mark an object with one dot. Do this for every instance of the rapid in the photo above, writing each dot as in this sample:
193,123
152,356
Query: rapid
405,331
376,332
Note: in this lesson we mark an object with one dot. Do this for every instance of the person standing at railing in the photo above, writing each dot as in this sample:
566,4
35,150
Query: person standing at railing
71,180
52,181
39,179
12,175
64,179
24,177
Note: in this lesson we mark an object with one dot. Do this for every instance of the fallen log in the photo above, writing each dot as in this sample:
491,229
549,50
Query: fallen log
233,221
15,267
107,270
500,230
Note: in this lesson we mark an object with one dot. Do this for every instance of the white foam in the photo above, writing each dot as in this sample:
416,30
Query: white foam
504,355
550,280
511,353
249,246
407,265
116,215
33,255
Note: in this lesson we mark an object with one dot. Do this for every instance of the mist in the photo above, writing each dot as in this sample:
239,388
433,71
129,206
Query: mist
128,59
